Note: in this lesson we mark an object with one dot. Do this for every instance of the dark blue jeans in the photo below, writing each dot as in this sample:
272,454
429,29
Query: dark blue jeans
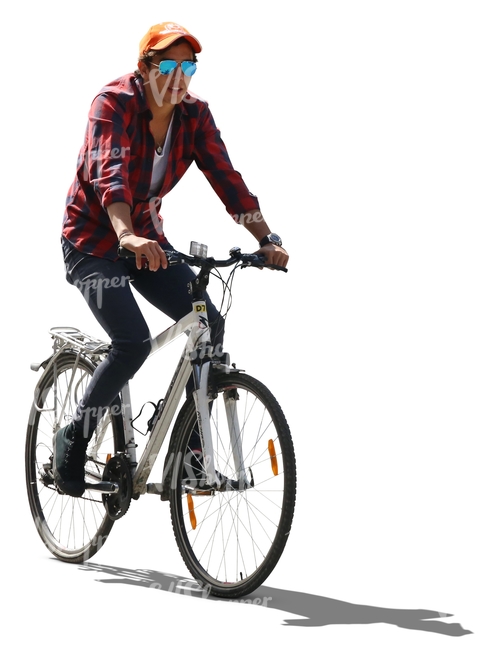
105,286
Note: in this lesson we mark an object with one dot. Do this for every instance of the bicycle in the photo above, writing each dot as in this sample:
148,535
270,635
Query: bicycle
231,506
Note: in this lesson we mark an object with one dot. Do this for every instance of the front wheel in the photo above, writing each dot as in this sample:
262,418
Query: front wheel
73,529
232,538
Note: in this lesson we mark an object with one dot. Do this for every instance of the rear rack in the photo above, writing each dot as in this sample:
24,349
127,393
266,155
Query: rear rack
72,337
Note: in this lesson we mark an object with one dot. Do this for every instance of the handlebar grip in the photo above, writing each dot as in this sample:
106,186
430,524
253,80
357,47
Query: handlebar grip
124,252
258,261
174,257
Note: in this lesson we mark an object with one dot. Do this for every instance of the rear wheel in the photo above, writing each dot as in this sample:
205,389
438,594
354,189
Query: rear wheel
73,529
232,538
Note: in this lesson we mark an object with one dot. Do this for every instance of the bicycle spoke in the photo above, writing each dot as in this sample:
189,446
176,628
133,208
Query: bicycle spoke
237,535
72,528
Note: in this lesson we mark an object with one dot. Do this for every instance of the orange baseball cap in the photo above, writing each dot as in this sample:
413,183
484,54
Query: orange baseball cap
163,35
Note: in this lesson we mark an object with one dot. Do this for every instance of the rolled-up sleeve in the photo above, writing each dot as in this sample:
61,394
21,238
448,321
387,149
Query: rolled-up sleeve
108,151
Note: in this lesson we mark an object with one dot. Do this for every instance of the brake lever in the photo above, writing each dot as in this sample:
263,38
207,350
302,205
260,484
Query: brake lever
174,257
253,260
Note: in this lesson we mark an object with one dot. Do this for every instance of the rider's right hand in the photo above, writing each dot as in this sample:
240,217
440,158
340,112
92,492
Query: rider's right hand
148,248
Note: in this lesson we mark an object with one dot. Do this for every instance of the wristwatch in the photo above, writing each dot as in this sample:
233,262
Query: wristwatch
272,238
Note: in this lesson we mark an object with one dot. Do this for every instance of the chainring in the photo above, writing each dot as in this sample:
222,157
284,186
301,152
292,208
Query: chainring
117,470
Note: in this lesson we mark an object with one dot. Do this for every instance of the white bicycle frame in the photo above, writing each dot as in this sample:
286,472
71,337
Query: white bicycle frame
196,326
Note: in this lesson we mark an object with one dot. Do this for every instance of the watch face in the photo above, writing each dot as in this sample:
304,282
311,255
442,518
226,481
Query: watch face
275,239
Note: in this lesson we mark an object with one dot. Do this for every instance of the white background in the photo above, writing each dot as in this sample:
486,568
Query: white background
366,132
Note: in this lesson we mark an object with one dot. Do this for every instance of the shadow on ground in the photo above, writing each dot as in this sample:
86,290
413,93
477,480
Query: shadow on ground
312,610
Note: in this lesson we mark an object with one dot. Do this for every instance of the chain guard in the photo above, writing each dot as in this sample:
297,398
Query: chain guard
117,470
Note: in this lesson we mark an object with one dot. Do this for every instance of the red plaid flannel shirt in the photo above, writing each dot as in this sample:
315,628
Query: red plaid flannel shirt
115,165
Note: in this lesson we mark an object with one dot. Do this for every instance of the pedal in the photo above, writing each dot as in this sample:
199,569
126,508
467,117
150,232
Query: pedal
107,487
154,488
46,476
198,492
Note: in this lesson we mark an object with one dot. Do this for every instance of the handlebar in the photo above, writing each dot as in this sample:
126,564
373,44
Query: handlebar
236,257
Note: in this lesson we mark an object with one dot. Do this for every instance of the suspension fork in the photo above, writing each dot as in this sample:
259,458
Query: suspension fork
201,397
230,404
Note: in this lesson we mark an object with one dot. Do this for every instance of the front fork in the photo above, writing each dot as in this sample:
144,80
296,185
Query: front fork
230,398
200,394
202,398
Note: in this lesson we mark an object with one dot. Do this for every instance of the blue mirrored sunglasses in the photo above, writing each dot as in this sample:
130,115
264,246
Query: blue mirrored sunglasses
168,65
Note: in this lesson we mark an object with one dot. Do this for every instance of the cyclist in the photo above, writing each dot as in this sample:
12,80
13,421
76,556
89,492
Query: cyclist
143,132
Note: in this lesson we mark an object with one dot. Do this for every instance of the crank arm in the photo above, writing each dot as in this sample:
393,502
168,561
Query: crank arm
106,487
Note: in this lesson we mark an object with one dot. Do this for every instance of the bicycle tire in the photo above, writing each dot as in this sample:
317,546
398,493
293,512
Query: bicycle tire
73,529
239,535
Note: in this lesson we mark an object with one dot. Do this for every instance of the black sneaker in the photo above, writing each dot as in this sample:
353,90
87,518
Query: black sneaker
69,458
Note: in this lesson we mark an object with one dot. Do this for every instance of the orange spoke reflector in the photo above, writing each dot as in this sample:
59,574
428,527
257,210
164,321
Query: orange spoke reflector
191,511
273,457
